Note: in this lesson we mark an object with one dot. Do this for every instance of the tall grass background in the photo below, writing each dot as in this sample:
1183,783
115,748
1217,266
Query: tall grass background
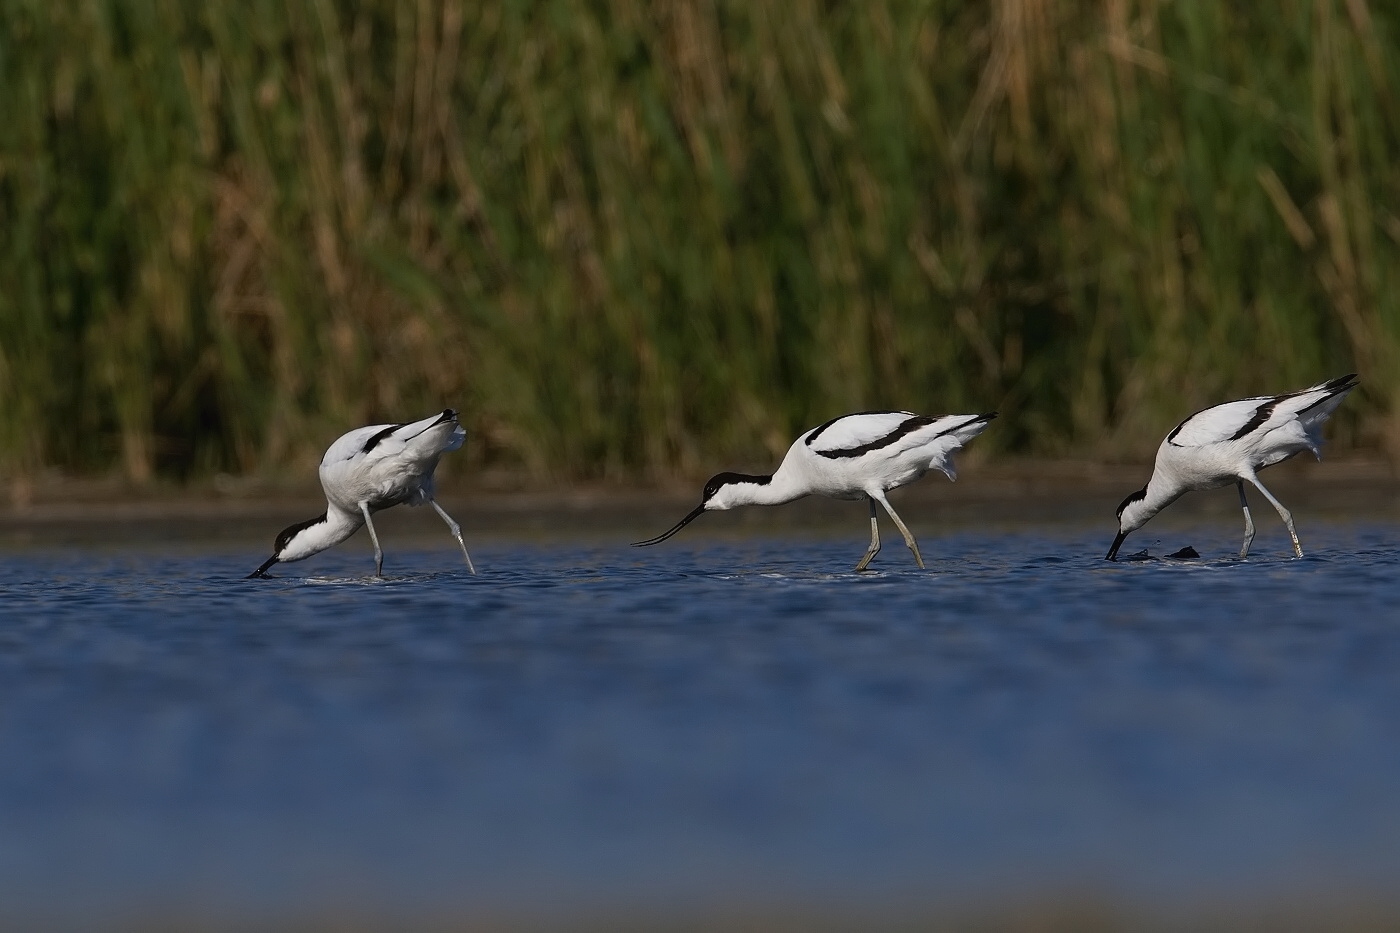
636,239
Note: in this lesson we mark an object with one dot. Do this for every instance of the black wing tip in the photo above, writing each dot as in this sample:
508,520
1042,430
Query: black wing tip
975,419
1332,389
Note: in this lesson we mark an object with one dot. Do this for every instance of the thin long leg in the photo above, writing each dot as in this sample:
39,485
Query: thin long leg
456,530
1283,513
378,554
874,548
908,538
1248,522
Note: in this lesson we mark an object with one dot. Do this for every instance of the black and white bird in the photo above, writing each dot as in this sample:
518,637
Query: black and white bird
1231,443
370,469
859,456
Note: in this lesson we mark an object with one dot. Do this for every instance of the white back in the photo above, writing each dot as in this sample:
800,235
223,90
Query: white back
1257,417
857,430
399,439
888,430
388,464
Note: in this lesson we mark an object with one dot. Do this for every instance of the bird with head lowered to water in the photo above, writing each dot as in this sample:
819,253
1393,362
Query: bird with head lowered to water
368,470
1231,443
858,456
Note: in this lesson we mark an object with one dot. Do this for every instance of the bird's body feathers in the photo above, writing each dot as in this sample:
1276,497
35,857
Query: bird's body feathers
387,464
848,457
1230,443
367,470
1210,448
858,456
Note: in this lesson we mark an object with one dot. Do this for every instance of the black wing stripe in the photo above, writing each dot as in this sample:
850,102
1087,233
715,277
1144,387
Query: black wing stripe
1261,414
1264,411
818,432
908,427
373,442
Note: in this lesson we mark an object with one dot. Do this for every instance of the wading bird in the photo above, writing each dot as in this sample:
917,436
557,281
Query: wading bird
370,469
864,455
1231,443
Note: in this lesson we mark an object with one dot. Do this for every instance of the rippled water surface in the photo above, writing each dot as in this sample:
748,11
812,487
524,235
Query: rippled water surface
705,722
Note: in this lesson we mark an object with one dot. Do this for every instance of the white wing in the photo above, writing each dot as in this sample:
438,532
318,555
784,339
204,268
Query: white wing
858,430
866,432
1222,422
377,441
1257,417
352,444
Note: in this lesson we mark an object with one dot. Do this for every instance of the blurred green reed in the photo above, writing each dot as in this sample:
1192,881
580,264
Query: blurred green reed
648,239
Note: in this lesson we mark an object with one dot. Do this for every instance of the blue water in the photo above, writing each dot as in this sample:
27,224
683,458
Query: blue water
708,722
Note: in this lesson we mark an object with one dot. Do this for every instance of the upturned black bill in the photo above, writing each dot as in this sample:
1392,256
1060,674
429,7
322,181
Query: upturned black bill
699,509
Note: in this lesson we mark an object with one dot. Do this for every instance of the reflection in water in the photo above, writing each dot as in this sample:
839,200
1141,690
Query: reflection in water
714,723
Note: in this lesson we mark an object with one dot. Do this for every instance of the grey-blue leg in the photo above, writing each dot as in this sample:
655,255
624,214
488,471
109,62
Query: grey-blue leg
1283,513
378,554
908,538
1248,521
874,548
456,530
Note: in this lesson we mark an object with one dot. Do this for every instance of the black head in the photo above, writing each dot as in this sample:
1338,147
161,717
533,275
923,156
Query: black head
1132,497
284,537
1118,539
712,488
720,480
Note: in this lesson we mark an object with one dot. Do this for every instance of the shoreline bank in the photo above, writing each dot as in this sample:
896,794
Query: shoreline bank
1015,493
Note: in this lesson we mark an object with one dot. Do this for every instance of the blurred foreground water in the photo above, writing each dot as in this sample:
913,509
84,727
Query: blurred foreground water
586,730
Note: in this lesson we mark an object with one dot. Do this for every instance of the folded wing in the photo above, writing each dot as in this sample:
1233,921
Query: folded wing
1256,417
856,435
376,441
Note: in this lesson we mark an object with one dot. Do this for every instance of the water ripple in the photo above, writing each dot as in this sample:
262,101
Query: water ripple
704,721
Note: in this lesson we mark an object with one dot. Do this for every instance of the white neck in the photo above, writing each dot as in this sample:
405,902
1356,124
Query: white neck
781,487
1161,492
320,536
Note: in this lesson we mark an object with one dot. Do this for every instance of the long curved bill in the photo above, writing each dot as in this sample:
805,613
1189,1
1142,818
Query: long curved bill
261,572
699,510
1117,543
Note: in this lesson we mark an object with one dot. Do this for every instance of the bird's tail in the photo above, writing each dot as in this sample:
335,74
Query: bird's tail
968,426
1316,404
435,434
961,429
